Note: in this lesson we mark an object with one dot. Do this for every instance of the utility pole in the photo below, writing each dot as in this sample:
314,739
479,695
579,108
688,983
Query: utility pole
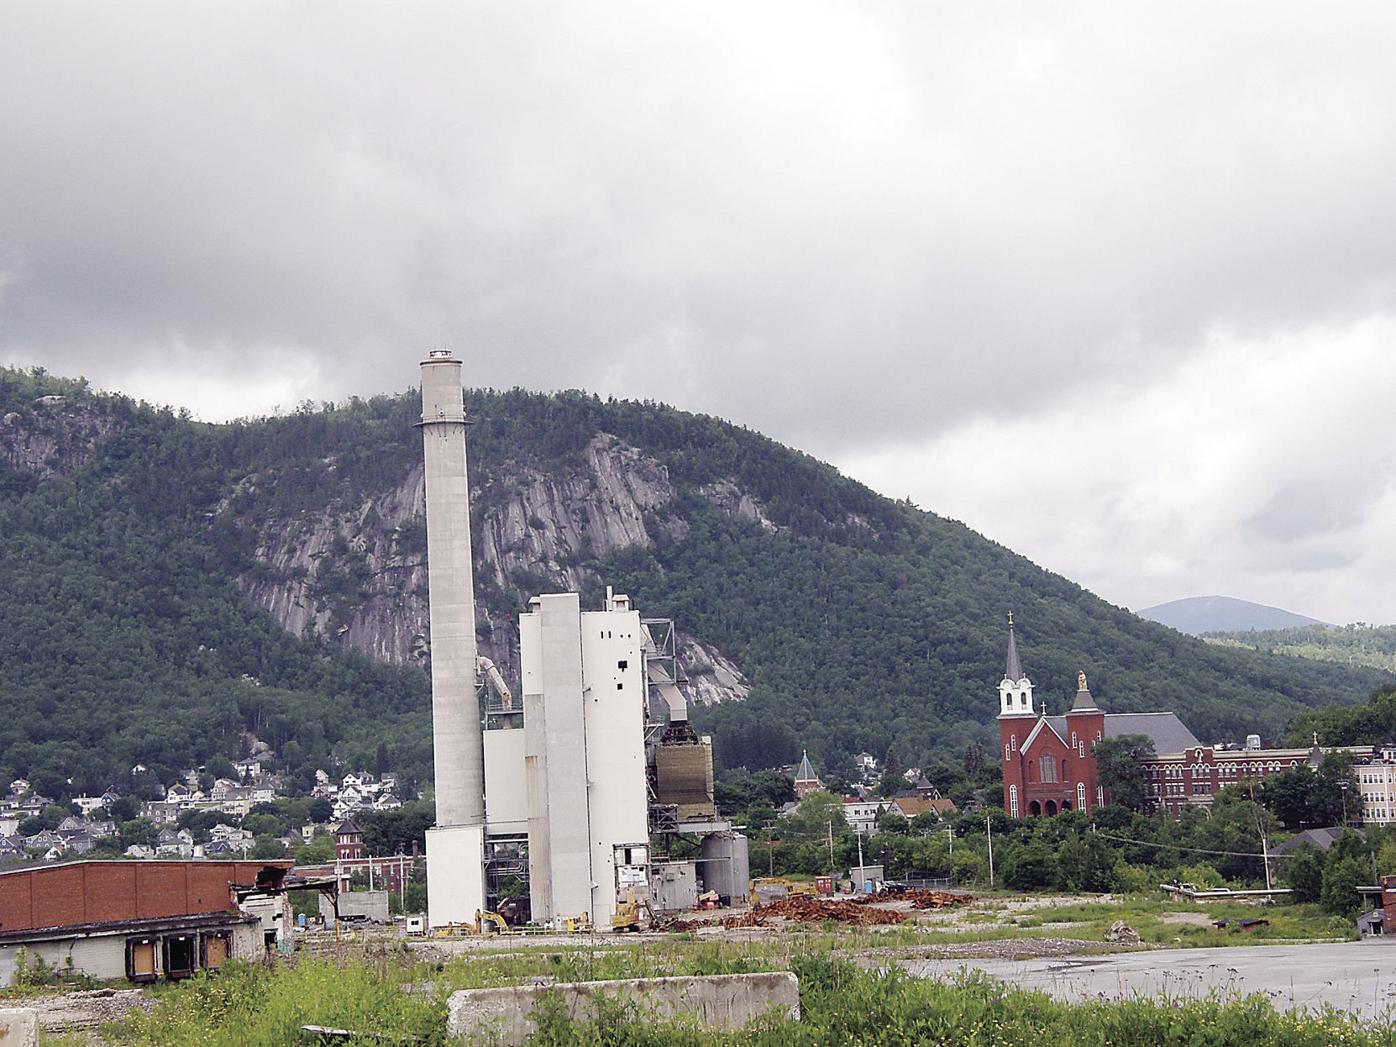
950,832
989,828
832,872
858,832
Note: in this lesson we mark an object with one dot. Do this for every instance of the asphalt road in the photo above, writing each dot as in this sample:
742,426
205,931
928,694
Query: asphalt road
1355,976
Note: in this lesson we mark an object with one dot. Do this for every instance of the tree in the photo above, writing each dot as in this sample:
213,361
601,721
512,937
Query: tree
1120,769
1341,878
267,848
321,810
1304,874
125,808
1286,795
1027,867
138,831
892,779
892,822
317,852
1347,865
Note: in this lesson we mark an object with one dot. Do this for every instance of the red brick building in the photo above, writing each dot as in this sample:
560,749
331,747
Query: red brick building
140,920
1049,765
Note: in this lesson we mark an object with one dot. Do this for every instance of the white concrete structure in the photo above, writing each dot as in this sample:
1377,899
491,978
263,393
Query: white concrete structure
716,1002
506,788
584,692
456,845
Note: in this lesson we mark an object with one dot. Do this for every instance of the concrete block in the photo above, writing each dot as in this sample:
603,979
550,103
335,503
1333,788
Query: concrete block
19,1027
722,1003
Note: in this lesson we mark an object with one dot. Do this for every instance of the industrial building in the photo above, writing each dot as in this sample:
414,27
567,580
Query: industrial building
593,788
143,921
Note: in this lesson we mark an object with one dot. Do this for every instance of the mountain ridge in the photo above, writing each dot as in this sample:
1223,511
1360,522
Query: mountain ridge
840,619
1196,615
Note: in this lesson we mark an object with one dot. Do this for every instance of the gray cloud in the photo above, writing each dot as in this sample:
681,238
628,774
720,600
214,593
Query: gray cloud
861,229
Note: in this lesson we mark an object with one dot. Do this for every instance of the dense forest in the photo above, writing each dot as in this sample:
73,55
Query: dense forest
1359,644
860,622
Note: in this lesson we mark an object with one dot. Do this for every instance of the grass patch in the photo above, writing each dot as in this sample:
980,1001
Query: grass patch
841,1004
1286,922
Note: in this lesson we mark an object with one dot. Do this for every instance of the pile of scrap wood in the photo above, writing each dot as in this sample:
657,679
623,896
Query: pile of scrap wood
797,909
919,897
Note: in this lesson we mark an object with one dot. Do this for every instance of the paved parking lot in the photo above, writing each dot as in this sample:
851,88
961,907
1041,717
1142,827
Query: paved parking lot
1356,976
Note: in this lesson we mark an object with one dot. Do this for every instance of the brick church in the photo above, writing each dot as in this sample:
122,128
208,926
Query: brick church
1049,765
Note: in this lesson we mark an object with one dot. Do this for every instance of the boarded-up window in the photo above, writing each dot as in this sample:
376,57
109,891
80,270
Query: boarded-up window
215,950
140,959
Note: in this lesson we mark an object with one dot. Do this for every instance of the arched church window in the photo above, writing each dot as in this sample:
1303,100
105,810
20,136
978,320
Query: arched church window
1013,801
1100,796
1013,739
1080,796
1023,699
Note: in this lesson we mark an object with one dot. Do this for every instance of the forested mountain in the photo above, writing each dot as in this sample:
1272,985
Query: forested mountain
1358,644
1196,615
168,588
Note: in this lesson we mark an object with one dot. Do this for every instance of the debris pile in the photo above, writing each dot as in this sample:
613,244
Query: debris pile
919,897
1122,933
798,909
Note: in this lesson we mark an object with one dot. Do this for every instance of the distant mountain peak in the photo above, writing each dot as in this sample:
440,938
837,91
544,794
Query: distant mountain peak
1196,615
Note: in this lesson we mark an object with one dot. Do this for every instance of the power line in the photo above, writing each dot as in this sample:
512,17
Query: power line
1193,850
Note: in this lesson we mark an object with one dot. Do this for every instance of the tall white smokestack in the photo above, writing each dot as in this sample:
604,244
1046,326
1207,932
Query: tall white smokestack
456,844
457,740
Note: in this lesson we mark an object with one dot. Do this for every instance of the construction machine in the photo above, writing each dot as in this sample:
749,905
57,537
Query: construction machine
630,912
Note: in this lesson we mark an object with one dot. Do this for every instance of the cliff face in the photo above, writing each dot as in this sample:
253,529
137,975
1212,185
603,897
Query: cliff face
53,436
358,572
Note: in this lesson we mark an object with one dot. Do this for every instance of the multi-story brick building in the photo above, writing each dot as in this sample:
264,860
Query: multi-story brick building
1049,764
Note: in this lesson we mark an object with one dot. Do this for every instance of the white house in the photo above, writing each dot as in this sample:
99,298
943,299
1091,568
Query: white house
862,814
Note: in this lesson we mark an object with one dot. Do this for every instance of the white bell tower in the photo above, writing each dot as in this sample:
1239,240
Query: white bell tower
1015,689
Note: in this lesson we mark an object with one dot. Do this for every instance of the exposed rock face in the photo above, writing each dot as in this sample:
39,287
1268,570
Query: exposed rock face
733,501
55,436
359,573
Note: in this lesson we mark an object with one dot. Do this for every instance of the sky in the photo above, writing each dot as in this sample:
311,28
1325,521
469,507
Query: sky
1114,284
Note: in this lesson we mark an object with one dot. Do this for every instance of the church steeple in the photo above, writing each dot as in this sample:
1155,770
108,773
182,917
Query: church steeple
1014,669
1015,689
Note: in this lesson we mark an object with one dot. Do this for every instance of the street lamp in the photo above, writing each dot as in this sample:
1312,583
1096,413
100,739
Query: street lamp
1343,785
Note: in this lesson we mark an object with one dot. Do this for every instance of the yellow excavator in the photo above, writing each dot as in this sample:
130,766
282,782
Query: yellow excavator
630,912
485,923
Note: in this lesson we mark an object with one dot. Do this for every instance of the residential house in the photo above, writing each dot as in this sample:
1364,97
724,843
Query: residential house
140,851
862,814
912,804
80,842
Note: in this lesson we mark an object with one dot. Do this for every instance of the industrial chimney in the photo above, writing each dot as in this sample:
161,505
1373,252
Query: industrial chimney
455,846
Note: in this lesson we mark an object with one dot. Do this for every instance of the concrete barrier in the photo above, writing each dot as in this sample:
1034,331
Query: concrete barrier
19,1027
721,1002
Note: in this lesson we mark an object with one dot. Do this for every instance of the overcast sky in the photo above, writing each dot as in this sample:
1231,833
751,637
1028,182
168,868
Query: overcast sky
1113,283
